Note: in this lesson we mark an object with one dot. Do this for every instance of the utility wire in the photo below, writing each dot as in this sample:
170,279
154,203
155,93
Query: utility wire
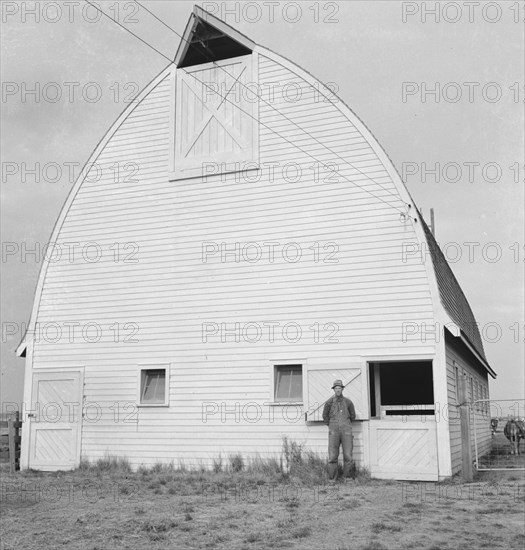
247,113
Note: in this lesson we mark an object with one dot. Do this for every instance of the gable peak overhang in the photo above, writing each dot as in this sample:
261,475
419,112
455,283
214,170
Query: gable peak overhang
207,38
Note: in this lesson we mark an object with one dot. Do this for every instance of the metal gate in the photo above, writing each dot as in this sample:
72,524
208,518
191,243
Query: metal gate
494,423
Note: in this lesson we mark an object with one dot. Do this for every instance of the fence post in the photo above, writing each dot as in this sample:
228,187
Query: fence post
466,451
13,423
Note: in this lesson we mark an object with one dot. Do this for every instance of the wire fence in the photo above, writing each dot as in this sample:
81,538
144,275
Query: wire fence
499,434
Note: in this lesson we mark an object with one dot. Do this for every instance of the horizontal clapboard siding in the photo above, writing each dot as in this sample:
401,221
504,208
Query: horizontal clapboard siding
170,291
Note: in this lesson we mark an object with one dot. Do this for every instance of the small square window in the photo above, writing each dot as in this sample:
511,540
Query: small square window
288,383
153,387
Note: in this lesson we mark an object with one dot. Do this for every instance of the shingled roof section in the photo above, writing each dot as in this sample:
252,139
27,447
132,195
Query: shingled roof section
452,297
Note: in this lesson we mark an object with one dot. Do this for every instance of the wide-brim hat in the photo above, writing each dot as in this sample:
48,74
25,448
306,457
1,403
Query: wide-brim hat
337,383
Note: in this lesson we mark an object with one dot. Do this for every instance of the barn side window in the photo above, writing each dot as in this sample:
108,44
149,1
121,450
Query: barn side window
288,383
153,386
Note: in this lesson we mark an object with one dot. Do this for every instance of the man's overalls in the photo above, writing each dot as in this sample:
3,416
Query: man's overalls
339,414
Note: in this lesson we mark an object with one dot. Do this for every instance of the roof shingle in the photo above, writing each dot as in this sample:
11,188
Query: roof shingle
452,297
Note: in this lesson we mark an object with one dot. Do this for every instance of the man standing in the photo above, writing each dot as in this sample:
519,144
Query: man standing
338,414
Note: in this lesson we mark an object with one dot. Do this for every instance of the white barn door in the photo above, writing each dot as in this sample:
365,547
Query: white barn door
55,420
403,449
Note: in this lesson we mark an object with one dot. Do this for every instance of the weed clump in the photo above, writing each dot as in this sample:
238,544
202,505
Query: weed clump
295,463
236,462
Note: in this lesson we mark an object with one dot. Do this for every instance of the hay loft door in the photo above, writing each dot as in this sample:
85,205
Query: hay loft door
215,117
55,421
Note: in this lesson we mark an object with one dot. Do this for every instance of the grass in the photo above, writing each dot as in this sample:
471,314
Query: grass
295,465
377,527
279,502
236,462
109,463
301,533
374,545
158,525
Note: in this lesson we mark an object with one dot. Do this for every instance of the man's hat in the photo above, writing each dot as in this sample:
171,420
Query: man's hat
337,383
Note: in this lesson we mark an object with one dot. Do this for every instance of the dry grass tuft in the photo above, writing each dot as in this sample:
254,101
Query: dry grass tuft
374,545
379,526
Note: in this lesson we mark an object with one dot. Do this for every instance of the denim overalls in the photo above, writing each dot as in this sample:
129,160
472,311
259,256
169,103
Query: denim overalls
340,433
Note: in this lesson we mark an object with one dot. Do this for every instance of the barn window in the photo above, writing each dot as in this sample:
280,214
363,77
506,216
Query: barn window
401,388
153,386
288,383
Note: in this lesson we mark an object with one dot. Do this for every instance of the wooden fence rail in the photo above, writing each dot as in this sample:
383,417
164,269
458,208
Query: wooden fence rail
10,440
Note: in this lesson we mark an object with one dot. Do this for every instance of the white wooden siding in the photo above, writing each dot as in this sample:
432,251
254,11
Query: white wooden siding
170,292
456,359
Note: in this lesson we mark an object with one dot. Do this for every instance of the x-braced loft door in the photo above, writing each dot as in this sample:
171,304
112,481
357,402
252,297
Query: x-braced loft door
216,111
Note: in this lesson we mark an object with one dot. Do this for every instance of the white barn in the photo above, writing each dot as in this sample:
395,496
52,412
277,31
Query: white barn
258,244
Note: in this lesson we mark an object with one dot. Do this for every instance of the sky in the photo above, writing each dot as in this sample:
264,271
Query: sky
442,91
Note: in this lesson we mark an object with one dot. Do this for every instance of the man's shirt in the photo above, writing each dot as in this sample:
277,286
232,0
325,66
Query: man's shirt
338,409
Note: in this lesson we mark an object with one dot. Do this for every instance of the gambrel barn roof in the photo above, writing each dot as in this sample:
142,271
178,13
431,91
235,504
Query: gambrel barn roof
454,300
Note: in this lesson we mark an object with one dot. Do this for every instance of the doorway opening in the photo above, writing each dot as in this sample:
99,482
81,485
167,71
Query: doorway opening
401,388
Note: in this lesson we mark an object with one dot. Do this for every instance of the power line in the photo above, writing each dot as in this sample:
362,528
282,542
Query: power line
126,29
249,114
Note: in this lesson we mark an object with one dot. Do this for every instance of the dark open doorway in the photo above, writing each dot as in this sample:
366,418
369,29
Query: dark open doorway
401,388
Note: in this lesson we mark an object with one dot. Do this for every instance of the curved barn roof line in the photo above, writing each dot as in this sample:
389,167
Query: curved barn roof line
20,351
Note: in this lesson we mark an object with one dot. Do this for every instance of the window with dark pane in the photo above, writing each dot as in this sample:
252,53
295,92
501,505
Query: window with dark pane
153,386
288,383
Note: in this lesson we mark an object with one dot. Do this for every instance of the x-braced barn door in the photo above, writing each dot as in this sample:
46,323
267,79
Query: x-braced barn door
216,127
55,421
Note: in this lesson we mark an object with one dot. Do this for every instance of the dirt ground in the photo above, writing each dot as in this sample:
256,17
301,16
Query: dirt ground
90,510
